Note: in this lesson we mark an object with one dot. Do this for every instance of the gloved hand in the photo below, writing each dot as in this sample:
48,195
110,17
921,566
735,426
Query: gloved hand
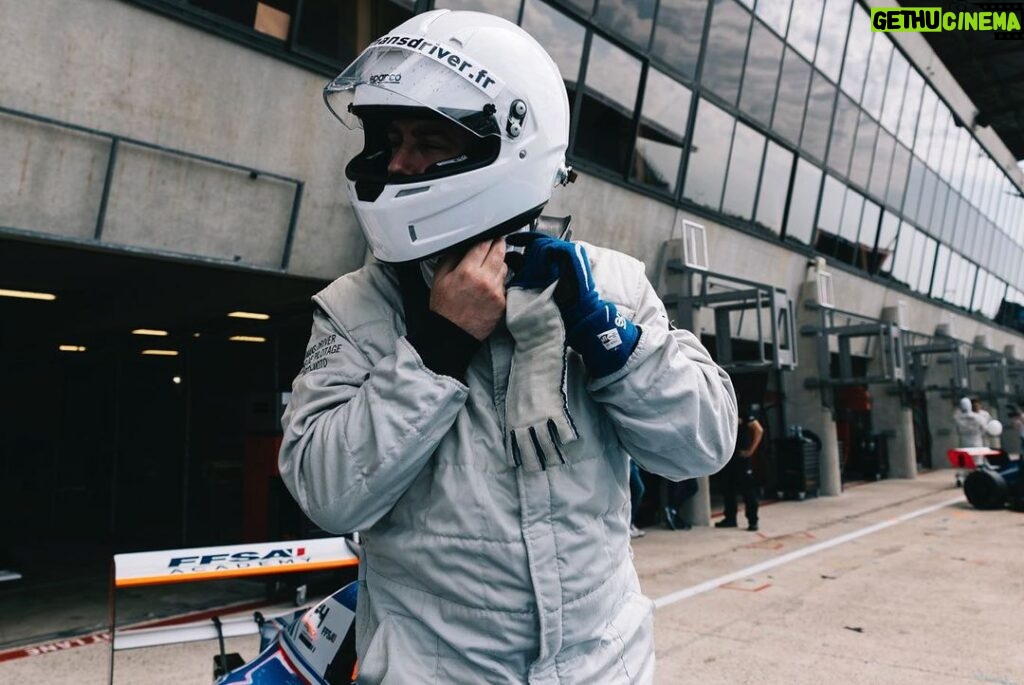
537,416
594,328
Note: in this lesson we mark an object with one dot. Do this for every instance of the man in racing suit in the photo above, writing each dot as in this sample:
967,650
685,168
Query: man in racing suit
477,430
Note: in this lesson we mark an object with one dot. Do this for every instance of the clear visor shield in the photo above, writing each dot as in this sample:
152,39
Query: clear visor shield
414,72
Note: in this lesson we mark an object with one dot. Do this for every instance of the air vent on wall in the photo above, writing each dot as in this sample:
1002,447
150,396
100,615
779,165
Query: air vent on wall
695,246
826,296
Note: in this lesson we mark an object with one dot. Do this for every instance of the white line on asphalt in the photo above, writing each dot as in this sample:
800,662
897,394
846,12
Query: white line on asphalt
694,590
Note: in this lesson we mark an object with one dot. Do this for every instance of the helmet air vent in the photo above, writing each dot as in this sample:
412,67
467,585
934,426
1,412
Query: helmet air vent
405,192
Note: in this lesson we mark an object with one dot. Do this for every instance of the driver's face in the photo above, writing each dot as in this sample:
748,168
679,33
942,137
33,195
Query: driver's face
417,143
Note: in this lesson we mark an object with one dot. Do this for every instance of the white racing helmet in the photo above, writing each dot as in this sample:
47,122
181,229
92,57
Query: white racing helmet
486,75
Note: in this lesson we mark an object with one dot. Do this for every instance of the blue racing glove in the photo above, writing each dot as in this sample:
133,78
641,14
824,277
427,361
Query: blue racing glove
594,328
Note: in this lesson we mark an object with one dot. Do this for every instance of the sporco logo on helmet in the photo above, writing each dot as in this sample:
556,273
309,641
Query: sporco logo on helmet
482,73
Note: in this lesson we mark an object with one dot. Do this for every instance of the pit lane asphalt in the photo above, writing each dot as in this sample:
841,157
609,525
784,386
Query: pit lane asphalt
915,587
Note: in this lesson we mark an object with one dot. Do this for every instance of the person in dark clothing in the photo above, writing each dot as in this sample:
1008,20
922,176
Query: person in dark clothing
738,474
678,494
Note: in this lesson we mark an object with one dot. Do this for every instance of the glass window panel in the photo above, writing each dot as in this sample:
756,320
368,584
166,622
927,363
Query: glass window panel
973,224
950,218
761,74
987,181
898,176
904,247
678,34
659,144
914,264
878,75
923,141
995,299
506,9
858,49
844,127
949,149
953,277
863,150
981,283
584,6
849,227
924,210
887,232
771,198
814,138
727,45
934,226
833,194
882,162
775,13
630,19
844,246
561,36
924,279
911,108
709,155
1004,200
832,39
914,181
938,138
895,91
958,292
744,168
338,31
960,158
792,96
605,130
986,233
961,291
864,253
979,179
960,226
804,201
803,26
325,27
967,290
941,271
970,168
981,182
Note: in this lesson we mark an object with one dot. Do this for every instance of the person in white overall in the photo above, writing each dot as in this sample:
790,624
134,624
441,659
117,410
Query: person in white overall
469,405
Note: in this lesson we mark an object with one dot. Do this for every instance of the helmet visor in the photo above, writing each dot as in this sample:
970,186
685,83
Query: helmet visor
412,71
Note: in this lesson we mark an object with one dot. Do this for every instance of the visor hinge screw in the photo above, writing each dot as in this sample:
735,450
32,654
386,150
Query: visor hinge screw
516,116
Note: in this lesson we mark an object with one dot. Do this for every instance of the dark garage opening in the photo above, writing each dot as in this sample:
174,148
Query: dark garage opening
110,450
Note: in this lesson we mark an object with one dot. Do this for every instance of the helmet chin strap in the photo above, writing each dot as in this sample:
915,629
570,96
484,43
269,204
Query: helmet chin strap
428,267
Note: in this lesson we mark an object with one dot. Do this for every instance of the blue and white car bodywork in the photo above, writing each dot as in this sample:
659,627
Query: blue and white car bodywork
316,647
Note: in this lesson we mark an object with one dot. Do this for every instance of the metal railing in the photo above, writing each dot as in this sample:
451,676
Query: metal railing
116,141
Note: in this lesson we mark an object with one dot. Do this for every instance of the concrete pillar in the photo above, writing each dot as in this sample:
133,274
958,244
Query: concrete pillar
697,510
830,474
902,450
891,418
940,420
804,404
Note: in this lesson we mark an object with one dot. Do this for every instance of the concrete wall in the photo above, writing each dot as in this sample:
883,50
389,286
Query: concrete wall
110,65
